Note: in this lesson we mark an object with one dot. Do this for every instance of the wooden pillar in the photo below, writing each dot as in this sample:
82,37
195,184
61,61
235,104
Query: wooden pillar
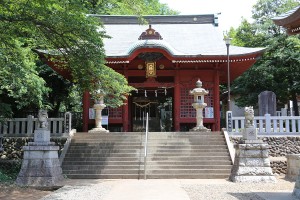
85,111
125,113
217,99
177,99
125,116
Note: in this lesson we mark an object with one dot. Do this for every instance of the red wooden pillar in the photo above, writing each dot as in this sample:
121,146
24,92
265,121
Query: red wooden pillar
177,100
125,110
85,111
125,116
217,100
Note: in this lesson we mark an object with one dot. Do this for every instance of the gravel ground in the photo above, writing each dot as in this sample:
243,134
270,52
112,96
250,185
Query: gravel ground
91,192
195,189
241,191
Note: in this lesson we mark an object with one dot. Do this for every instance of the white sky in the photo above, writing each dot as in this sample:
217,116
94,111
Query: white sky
231,11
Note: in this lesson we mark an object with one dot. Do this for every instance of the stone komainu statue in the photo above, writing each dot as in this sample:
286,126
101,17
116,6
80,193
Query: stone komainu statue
43,119
249,116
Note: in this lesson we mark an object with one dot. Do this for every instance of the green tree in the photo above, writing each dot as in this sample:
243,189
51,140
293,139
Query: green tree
127,7
65,29
278,69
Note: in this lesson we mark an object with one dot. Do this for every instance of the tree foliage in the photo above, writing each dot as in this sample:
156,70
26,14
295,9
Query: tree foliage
128,7
278,68
64,28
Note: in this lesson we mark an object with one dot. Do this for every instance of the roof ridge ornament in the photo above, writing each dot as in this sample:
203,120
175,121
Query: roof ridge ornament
150,34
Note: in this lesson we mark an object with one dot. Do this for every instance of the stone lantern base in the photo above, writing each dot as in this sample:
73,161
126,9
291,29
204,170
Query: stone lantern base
200,129
98,130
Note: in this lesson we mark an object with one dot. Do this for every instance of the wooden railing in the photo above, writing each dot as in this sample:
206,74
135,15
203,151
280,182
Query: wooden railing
26,126
268,124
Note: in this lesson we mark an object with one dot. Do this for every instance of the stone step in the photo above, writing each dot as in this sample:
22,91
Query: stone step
141,167
158,163
149,171
175,158
150,154
150,143
170,155
149,176
78,134
150,151
98,147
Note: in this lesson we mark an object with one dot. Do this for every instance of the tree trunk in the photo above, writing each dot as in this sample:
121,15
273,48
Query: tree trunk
295,104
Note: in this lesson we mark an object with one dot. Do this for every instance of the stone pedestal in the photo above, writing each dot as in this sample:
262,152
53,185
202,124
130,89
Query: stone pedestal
98,119
252,163
293,162
199,118
296,191
293,166
40,166
249,133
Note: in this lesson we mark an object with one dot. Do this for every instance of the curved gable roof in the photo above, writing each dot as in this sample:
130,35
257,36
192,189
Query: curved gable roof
189,36
289,20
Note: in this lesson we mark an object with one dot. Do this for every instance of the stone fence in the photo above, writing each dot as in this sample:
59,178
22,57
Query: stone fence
266,125
26,126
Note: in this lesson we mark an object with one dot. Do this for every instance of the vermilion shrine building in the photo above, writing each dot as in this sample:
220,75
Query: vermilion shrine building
290,21
163,60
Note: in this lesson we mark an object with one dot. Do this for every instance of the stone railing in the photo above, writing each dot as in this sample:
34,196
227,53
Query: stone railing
266,124
26,126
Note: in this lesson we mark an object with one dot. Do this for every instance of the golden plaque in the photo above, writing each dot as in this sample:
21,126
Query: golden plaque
150,69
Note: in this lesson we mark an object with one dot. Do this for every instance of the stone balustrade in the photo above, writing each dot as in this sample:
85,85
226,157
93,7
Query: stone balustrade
26,126
268,124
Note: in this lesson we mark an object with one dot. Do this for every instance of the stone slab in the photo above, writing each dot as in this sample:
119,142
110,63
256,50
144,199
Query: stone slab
250,133
254,142
253,154
40,154
41,135
41,143
260,171
40,148
254,179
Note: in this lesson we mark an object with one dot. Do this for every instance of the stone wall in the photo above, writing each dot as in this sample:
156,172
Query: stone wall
279,147
12,147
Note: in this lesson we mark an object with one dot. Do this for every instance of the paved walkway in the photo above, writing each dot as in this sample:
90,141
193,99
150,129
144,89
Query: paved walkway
173,189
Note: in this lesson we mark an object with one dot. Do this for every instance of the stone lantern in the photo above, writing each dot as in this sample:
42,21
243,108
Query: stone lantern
99,106
199,104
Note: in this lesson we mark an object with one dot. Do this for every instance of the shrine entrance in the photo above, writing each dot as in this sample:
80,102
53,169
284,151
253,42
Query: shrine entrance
158,102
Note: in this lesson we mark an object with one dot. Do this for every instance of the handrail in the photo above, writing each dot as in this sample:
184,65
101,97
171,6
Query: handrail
145,146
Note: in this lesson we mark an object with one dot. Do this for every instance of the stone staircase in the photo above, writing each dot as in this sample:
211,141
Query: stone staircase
181,155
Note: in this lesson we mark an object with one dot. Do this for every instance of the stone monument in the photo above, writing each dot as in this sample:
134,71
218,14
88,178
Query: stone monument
296,191
199,105
267,103
99,106
40,166
252,162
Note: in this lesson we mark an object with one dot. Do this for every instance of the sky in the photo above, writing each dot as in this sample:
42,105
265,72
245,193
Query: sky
231,10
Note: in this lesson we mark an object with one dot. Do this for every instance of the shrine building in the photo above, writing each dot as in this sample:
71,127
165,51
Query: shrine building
163,60
290,21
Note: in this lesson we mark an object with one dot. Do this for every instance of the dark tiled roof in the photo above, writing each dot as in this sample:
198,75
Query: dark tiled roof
286,15
290,21
183,36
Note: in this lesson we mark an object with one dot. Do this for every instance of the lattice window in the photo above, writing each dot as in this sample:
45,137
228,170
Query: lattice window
186,100
115,113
